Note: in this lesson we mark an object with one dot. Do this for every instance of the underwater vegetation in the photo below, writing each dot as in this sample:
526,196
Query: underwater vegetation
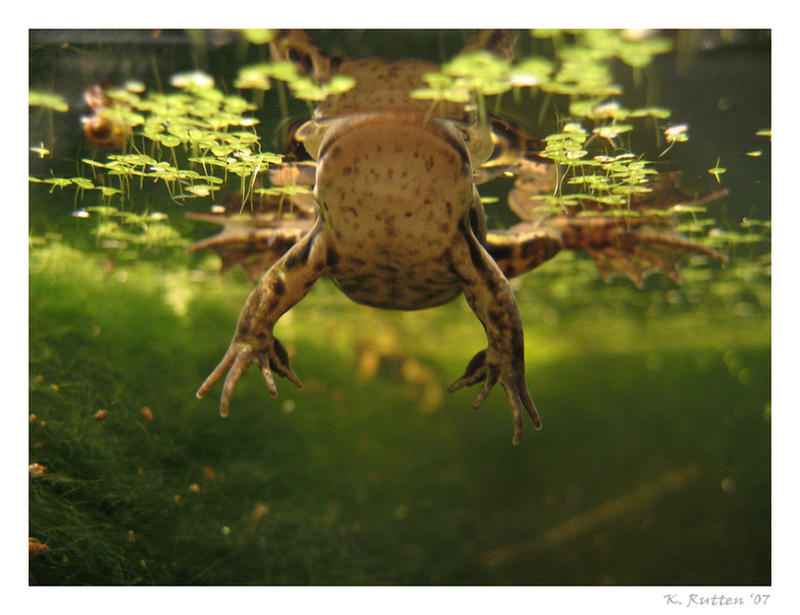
656,401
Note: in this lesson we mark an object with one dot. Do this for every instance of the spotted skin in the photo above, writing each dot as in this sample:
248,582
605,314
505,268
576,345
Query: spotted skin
523,248
392,190
397,214
490,296
286,282
396,222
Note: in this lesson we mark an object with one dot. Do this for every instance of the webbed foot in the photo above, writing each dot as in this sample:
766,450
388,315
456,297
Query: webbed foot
512,377
638,252
269,354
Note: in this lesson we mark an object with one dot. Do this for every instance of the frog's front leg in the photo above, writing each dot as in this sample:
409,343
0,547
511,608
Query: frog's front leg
490,296
282,286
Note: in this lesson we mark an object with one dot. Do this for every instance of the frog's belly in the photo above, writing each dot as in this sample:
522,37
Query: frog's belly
389,287
393,191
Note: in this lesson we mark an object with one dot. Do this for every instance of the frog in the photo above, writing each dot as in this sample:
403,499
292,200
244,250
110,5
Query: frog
394,218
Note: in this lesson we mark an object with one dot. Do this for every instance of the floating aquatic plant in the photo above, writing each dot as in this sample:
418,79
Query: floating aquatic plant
196,139
587,148
41,150
193,140
717,170
118,228
260,76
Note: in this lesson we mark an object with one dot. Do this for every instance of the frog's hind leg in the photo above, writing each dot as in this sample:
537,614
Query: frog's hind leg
523,247
634,245
490,296
633,248
255,248
283,285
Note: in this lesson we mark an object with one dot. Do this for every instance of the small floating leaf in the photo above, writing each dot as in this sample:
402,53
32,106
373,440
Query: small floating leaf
82,182
194,78
258,36
716,171
688,208
59,182
94,163
611,109
169,140
201,189
41,150
613,131
103,210
134,86
541,67
656,112
108,190
48,100
255,77
574,128
676,133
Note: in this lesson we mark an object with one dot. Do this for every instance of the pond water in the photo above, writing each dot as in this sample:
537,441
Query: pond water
653,466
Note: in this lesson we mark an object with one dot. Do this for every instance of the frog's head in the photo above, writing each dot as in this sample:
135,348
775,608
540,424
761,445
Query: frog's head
383,86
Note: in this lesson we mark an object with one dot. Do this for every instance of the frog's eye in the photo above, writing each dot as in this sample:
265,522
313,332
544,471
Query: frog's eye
478,140
300,132
463,128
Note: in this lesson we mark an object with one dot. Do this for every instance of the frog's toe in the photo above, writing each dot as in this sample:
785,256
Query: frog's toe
519,397
278,360
269,380
272,358
475,372
492,375
236,360
240,364
478,369
513,381
214,376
